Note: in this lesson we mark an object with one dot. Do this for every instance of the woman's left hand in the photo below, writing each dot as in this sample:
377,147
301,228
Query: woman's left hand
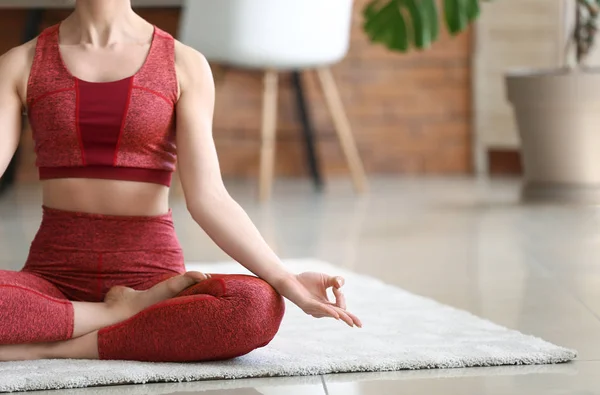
309,292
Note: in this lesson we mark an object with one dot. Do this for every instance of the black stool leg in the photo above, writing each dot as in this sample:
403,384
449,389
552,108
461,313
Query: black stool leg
32,28
307,129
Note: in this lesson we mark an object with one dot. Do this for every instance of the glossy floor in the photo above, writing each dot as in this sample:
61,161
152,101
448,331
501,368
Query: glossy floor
466,243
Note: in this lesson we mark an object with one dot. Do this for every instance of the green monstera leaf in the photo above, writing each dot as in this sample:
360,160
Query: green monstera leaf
401,25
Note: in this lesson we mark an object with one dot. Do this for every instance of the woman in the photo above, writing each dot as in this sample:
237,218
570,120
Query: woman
112,102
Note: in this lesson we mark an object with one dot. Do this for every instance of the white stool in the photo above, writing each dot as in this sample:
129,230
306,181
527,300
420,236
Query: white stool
275,36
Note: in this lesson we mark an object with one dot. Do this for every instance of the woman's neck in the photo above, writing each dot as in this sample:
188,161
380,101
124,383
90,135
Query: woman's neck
99,21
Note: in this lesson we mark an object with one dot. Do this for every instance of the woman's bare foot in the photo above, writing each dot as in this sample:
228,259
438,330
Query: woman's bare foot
125,302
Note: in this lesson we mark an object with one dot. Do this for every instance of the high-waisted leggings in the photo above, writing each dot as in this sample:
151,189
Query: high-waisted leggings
79,257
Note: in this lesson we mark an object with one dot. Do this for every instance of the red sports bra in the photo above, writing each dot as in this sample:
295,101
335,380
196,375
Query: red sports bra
121,130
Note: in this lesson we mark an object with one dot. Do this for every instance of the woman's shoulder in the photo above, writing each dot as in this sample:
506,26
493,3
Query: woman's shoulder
186,55
16,63
18,56
192,66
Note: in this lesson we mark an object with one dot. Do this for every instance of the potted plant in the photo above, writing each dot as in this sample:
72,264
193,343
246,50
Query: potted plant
558,115
557,110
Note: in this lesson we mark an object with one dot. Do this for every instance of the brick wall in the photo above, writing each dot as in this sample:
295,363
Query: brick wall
410,113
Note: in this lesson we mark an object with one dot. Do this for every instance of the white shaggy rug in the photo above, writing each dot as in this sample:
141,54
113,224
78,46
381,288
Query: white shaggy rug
401,331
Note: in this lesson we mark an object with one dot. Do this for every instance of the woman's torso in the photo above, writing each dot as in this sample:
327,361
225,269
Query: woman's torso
102,196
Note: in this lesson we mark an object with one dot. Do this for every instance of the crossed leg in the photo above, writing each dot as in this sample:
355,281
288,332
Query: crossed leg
178,320
36,315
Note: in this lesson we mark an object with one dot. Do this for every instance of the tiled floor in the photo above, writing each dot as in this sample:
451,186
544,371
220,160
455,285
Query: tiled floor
465,243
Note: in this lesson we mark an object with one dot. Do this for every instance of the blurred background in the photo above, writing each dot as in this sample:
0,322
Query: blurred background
436,106
410,114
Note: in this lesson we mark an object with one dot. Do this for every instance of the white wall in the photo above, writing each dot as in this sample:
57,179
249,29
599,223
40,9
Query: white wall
510,34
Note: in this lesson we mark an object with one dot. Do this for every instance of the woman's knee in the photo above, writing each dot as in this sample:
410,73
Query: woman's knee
257,310
252,303
265,307
32,317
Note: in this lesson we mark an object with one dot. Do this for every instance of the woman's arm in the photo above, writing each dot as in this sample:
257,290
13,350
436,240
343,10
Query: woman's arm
211,206
11,70
207,199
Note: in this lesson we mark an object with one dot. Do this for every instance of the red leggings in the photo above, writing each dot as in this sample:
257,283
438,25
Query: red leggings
79,257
